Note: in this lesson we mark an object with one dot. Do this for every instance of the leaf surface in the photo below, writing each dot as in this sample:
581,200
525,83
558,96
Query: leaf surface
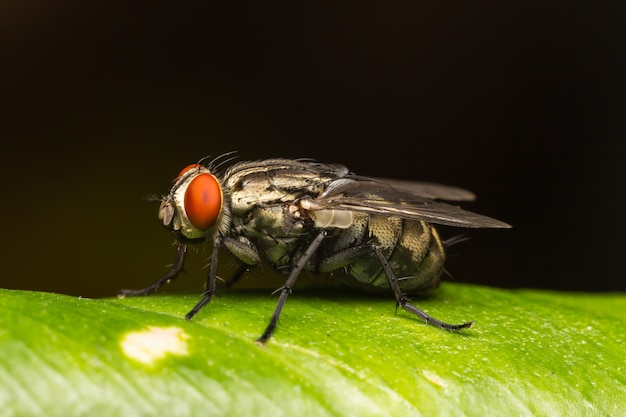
334,353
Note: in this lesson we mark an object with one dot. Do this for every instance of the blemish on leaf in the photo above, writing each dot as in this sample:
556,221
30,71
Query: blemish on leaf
154,343
435,379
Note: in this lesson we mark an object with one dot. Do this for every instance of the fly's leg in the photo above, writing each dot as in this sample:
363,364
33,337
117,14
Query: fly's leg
235,277
245,252
344,257
285,290
402,301
209,292
170,275
349,255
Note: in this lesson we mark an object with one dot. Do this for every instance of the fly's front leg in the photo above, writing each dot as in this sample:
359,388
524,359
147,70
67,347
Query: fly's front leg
285,290
209,292
170,275
245,252
403,302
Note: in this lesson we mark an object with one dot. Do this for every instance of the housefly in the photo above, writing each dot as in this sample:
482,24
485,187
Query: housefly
301,215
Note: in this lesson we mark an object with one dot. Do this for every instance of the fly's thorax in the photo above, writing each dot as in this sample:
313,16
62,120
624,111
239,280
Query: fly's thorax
276,231
196,206
275,181
275,221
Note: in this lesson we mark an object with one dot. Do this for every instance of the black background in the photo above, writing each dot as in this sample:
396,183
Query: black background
103,103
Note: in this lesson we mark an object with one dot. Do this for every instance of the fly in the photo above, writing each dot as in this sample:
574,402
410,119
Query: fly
302,215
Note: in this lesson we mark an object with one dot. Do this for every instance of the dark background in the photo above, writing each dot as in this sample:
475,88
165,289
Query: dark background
103,103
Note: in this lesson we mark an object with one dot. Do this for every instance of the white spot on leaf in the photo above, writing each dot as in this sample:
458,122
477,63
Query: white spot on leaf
154,343
435,379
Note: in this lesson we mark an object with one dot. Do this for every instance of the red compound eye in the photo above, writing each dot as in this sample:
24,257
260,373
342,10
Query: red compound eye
203,200
186,170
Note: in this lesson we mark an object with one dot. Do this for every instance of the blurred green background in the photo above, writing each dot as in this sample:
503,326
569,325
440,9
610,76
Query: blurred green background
103,103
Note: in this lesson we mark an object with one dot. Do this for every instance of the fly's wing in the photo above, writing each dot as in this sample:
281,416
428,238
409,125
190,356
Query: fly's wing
401,199
429,190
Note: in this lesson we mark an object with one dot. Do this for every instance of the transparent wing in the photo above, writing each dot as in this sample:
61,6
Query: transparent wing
401,199
430,190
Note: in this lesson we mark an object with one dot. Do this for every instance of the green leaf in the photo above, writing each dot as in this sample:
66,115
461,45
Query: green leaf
334,353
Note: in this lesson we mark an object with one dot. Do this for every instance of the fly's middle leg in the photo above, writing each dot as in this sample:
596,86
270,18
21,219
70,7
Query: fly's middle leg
285,290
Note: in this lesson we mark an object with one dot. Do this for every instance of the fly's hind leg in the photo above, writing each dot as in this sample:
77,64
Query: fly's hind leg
402,300
347,256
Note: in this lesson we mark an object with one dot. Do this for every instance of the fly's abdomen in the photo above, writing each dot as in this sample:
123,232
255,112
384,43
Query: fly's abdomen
384,232
413,249
419,257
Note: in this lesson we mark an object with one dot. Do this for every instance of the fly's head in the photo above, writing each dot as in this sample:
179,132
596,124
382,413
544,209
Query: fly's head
194,205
